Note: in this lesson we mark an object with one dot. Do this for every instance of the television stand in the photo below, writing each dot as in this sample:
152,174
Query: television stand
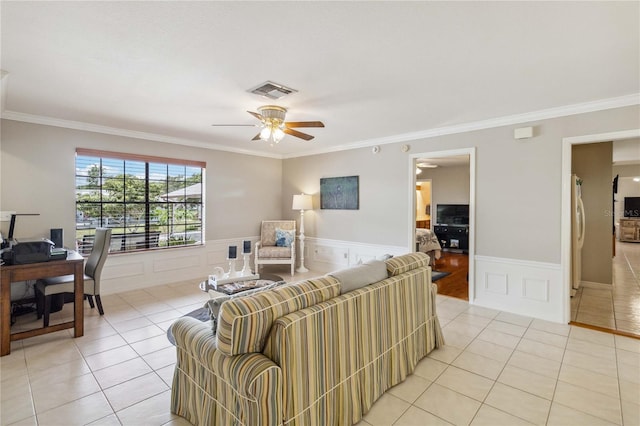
454,238
630,230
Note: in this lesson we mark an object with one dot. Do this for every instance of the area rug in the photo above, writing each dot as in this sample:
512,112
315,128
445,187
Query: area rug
436,275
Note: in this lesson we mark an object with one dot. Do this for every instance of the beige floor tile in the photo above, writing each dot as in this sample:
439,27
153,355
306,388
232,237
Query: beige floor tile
515,319
630,413
627,357
507,328
448,405
445,354
57,373
478,364
131,324
150,412
161,358
518,403
546,337
590,362
90,347
465,383
163,316
51,395
429,368
15,387
593,336
489,350
29,421
629,372
457,340
110,420
153,344
590,402
111,357
627,343
482,312
528,381
386,410
589,380
143,333
629,391
179,421
17,409
79,412
478,321
541,349
13,365
135,390
499,338
120,373
166,374
593,349
489,416
414,416
543,366
52,353
562,415
409,390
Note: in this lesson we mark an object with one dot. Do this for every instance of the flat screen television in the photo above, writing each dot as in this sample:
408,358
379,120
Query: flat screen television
452,214
631,206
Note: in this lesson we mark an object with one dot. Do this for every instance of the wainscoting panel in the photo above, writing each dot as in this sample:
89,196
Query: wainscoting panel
324,255
521,287
132,271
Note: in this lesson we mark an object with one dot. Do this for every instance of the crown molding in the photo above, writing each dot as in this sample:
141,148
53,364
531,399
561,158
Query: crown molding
78,125
563,111
545,114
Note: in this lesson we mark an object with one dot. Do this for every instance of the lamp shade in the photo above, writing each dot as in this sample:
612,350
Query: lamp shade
302,202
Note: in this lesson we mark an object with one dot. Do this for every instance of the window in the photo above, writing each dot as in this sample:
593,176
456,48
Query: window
148,202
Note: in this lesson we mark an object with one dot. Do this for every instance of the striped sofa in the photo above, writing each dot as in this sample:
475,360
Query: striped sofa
304,354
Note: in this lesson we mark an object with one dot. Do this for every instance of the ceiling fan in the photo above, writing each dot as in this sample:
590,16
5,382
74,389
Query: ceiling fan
273,125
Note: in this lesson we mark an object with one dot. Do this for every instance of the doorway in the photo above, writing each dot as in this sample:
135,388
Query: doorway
613,304
442,223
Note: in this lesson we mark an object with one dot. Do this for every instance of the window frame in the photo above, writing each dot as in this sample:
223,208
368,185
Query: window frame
152,236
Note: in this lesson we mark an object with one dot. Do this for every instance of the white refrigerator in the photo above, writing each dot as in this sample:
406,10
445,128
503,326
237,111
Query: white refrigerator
577,232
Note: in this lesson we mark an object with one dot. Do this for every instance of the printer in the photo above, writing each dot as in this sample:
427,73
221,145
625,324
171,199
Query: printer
23,252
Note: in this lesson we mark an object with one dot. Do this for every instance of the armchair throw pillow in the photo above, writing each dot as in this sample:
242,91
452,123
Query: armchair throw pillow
284,237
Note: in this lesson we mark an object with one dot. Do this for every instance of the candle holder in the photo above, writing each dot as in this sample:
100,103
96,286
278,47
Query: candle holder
232,268
246,268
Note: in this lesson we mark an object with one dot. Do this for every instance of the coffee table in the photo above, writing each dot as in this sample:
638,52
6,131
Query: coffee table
202,314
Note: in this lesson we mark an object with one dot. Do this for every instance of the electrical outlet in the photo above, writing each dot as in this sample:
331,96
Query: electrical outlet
5,216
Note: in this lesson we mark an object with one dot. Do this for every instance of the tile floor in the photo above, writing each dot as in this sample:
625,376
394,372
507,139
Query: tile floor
617,308
496,369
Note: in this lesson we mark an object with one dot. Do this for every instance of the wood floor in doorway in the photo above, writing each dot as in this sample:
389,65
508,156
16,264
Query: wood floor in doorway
455,284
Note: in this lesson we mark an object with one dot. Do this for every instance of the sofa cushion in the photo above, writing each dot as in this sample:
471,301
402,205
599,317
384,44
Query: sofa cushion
244,322
400,264
361,275
218,299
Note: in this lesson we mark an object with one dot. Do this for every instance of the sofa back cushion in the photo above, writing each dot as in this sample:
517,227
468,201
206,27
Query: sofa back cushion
244,323
361,275
400,264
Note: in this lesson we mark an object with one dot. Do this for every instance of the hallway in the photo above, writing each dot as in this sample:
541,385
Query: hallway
617,308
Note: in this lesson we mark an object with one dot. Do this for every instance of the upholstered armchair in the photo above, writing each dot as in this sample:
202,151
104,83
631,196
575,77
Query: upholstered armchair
277,244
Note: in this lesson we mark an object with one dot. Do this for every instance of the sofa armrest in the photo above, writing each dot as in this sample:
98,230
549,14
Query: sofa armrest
246,387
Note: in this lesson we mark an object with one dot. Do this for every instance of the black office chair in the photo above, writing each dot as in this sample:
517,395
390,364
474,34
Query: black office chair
64,284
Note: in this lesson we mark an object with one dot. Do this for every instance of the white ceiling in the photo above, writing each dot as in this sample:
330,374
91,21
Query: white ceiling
373,72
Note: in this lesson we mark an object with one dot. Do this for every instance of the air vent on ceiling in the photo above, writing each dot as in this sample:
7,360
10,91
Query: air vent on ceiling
272,90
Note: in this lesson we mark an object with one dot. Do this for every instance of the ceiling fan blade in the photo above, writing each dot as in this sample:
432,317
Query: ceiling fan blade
297,134
256,115
292,124
234,125
256,137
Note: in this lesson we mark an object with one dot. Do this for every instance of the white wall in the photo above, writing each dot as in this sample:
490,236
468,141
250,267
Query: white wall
37,172
449,185
518,203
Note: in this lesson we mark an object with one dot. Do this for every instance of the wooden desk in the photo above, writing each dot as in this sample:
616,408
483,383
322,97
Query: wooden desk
33,271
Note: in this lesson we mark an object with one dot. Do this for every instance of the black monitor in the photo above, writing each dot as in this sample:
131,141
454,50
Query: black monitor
631,206
452,214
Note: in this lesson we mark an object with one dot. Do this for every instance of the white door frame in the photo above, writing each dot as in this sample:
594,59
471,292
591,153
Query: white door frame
471,152
565,224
